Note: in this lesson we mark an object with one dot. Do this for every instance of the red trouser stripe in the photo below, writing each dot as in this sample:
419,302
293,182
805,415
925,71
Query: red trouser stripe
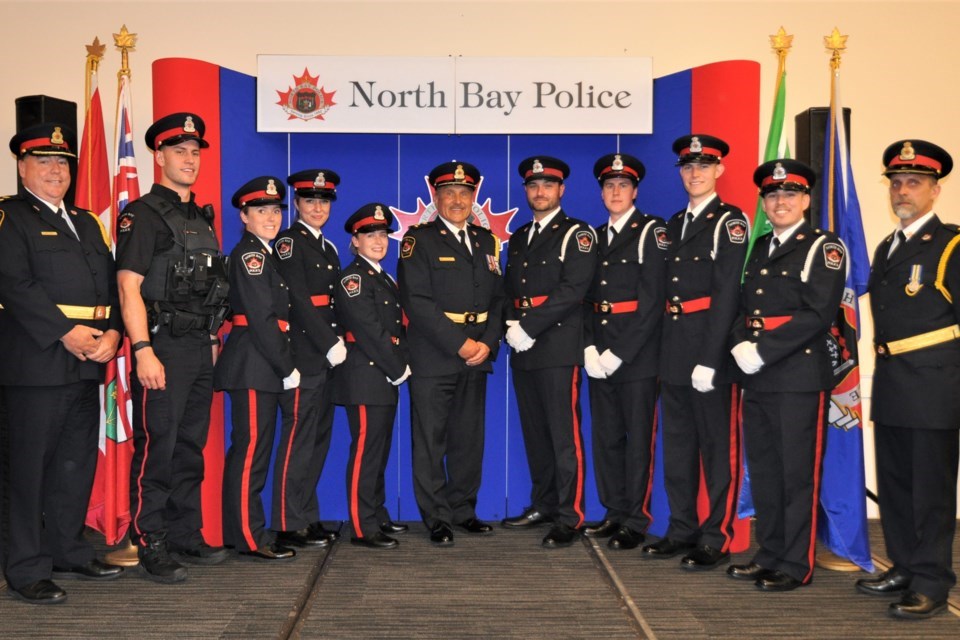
355,478
653,458
734,461
286,459
143,466
247,464
817,461
578,446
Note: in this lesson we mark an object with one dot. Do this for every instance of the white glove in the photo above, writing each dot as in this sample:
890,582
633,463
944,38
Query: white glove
337,353
517,337
292,381
609,362
702,378
591,362
747,357
399,381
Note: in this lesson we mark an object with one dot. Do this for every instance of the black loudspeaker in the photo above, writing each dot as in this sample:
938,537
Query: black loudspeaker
811,131
33,110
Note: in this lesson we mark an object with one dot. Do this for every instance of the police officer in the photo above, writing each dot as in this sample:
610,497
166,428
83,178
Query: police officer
173,294
308,262
697,373
452,291
792,286
368,307
624,311
256,367
915,298
58,325
549,271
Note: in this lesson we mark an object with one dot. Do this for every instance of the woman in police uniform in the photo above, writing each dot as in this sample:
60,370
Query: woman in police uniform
368,308
255,368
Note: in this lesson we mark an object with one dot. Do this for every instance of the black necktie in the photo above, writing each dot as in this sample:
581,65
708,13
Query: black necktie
613,236
462,234
774,245
901,239
687,221
536,232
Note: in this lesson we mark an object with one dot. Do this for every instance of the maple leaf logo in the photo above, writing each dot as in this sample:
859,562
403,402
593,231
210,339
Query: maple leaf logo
482,215
305,99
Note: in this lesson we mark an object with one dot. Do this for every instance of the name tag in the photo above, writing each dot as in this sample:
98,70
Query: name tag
49,233
447,259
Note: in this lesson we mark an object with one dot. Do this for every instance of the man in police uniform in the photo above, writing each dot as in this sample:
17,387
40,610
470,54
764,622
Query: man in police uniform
452,292
915,299
58,326
549,271
792,286
704,264
173,294
624,311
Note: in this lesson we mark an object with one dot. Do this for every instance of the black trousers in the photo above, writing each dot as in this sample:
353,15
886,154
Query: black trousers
254,423
306,428
447,425
170,428
701,429
624,437
784,438
371,430
917,490
51,459
549,404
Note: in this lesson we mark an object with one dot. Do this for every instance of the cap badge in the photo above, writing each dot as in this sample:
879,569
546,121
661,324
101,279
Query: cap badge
188,126
617,163
378,213
57,137
459,173
779,173
907,153
271,188
695,146
537,166
321,181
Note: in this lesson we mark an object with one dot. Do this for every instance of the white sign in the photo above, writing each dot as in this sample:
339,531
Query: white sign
333,94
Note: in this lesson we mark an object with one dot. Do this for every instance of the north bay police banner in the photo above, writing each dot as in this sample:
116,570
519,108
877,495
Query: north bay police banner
720,98
344,94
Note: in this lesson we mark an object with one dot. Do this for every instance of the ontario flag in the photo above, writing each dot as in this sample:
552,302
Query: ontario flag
843,527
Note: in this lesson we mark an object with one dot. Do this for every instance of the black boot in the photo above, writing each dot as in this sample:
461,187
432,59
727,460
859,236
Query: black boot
155,560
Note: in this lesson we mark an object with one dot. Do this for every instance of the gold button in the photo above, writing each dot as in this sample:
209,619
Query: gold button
677,259
603,322
759,292
808,351
606,264
763,272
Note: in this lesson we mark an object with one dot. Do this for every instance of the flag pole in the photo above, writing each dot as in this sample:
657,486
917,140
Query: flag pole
94,55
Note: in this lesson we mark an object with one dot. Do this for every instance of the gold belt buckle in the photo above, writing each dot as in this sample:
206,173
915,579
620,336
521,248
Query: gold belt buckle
524,303
99,312
470,318
605,307
756,322
675,308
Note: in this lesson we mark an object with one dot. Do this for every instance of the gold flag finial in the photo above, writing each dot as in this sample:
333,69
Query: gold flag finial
125,41
781,42
94,55
95,50
835,43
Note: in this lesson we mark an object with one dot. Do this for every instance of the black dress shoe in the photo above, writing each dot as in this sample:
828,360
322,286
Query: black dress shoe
477,527
666,548
93,570
625,538
303,538
529,518
915,605
201,553
750,571
40,592
272,551
890,582
560,535
378,540
156,562
388,526
777,581
703,558
317,529
441,535
603,529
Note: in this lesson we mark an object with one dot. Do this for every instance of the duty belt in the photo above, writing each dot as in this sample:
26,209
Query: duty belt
527,303
688,306
75,312
320,301
240,320
767,323
921,341
349,337
625,306
470,317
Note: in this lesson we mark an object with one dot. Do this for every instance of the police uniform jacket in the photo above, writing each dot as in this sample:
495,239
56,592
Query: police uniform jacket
918,388
707,262
559,265
42,264
311,265
256,356
437,274
803,279
632,268
368,307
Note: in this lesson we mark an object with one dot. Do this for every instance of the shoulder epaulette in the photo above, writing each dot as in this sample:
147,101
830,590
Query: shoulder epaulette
940,282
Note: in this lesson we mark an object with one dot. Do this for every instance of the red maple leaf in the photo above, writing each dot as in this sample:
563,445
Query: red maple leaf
321,102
